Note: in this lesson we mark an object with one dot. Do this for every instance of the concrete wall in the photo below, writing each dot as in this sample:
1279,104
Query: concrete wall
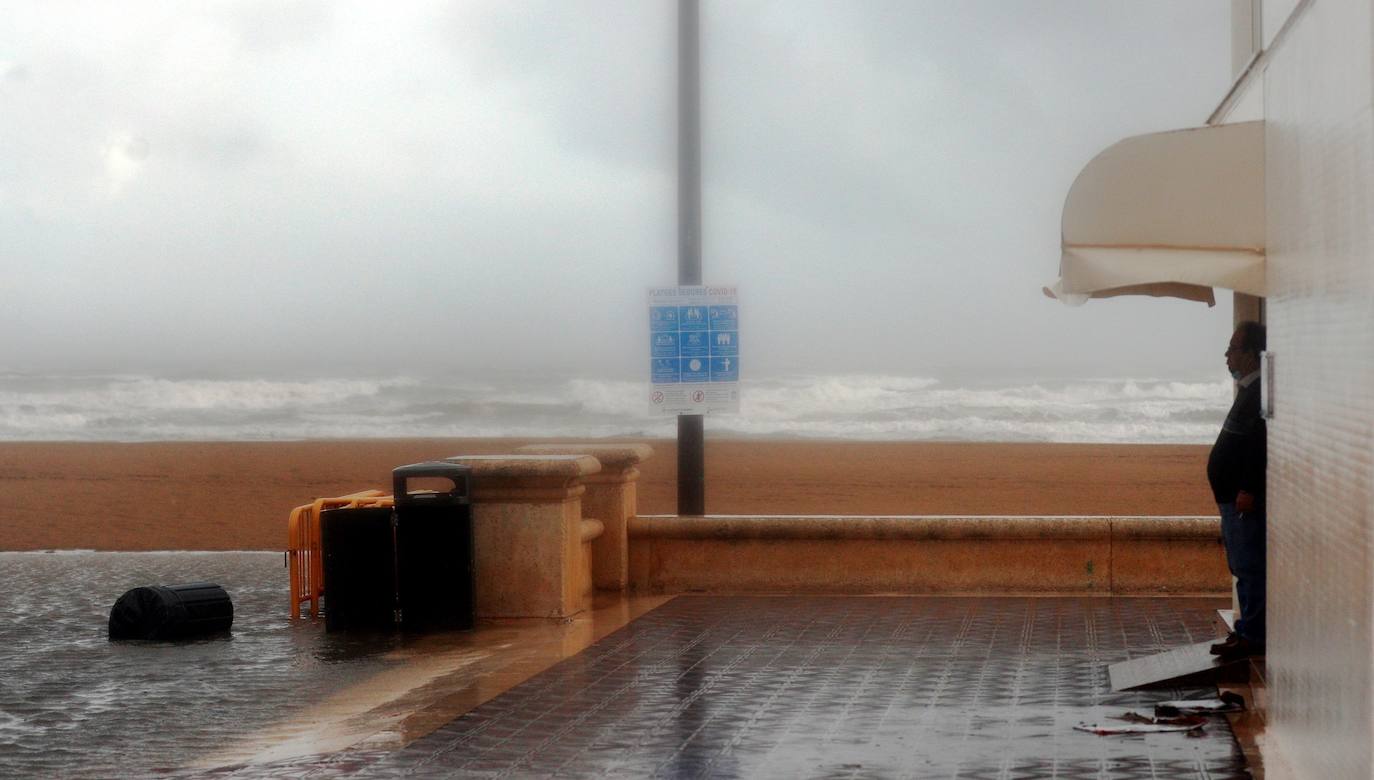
930,554
1320,211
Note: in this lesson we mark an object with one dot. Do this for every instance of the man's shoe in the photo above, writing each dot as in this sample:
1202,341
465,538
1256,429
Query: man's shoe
1225,644
1243,648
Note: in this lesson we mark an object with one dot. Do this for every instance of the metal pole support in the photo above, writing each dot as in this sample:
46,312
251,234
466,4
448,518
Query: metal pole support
691,435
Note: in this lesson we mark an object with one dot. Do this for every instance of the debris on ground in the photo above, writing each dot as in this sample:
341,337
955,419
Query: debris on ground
1135,723
1227,702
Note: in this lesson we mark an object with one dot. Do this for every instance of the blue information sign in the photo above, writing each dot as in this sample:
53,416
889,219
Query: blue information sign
694,349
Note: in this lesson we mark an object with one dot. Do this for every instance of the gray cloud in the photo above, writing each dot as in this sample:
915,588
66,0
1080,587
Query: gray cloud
309,186
271,26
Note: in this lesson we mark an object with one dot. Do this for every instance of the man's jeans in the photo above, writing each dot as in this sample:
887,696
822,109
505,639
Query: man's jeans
1243,535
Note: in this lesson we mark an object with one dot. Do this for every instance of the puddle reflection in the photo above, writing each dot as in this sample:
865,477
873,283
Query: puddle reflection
75,704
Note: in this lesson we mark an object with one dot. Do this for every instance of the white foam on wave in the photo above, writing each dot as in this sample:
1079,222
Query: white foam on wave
818,397
609,397
975,428
885,407
123,393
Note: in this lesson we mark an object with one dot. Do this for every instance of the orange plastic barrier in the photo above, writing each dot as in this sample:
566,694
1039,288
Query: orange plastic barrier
304,555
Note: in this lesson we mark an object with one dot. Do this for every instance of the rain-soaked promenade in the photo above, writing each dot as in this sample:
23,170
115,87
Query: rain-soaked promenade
701,686
75,704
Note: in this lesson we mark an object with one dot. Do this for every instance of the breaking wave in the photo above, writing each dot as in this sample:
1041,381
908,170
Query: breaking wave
866,407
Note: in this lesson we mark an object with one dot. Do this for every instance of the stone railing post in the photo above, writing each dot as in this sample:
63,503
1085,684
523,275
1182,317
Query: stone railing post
528,534
610,498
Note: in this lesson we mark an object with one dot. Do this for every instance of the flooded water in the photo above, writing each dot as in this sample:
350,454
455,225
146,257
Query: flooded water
707,686
74,704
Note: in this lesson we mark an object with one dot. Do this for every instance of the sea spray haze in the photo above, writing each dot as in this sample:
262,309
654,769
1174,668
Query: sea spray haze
861,407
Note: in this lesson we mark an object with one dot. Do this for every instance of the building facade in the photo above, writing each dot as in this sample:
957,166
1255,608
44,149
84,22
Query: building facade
1278,206
1312,81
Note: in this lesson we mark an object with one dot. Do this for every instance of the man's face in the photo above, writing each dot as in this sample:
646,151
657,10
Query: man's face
1238,361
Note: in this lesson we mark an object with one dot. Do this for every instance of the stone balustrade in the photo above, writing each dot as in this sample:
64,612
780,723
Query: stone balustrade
927,554
532,555
553,522
610,498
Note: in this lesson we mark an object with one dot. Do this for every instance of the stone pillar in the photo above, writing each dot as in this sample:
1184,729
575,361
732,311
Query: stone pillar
610,498
528,534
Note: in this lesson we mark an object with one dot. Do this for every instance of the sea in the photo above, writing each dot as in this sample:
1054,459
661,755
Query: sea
144,407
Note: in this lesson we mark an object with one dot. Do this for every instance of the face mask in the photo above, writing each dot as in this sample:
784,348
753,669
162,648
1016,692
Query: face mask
1236,375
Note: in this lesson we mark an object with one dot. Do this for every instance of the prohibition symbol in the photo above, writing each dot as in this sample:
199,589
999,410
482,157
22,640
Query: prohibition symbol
658,396
698,396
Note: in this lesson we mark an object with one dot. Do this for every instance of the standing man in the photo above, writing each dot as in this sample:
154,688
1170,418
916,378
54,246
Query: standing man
1236,472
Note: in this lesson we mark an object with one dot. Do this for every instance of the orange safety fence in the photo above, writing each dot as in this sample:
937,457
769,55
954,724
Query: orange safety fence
304,554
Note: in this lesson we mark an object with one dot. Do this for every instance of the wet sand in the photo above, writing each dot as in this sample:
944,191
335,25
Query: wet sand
236,495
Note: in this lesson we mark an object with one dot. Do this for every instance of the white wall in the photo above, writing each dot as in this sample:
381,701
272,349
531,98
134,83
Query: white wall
1320,214
1249,103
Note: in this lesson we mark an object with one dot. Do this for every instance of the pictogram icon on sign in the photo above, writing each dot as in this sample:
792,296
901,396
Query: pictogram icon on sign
658,396
698,397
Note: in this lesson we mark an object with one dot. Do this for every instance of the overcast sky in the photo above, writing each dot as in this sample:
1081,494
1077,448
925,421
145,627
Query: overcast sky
259,188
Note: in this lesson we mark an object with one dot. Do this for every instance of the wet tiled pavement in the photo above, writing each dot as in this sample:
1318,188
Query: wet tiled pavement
75,705
798,686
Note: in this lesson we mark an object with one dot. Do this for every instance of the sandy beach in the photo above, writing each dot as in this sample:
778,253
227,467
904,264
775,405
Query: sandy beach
236,495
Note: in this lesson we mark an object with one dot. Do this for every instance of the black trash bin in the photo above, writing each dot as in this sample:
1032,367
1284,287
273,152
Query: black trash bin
172,612
359,568
409,566
434,551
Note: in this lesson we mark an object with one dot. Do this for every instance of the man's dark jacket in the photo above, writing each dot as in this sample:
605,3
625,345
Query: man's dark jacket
1238,458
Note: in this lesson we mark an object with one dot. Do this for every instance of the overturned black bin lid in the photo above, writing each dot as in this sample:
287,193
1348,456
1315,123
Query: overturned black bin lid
172,612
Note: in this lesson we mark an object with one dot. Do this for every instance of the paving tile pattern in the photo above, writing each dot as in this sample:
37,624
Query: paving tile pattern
794,686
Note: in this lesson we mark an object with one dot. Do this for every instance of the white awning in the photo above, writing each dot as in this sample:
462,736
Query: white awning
1167,214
